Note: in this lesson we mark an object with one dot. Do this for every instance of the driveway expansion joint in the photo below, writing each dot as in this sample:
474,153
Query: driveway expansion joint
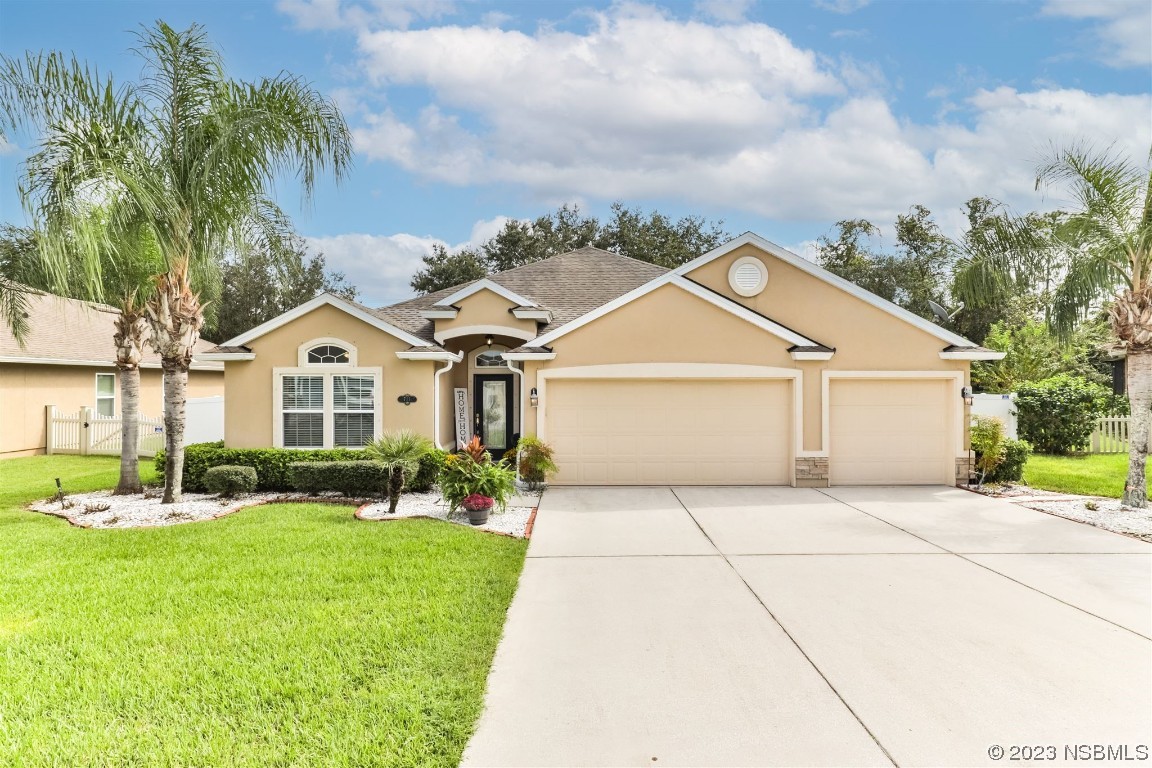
784,629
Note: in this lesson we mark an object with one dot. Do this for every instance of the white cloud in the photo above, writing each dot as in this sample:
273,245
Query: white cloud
340,14
381,266
644,106
725,10
7,147
1123,31
841,6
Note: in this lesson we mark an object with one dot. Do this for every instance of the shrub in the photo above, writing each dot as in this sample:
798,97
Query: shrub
271,464
429,473
987,436
1057,415
355,479
1015,455
399,452
463,476
535,460
230,479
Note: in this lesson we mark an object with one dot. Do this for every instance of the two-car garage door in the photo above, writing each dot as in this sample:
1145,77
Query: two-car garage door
671,431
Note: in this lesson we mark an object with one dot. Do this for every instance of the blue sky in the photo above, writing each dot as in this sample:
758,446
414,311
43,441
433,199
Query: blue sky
777,117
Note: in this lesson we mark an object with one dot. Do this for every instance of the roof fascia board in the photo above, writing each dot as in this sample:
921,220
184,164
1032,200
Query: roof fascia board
532,314
325,299
482,284
804,265
225,356
15,359
447,313
974,354
516,356
431,354
799,355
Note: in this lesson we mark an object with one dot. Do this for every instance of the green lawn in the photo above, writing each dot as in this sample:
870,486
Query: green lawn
1097,474
282,635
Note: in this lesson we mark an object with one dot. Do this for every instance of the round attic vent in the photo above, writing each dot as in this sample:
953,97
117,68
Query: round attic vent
748,276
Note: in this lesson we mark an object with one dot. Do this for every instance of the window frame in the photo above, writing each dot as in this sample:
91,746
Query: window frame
303,350
99,397
328,372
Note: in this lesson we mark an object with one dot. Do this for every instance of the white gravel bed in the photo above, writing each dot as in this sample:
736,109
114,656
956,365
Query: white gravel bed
512,521
1109,514
139,510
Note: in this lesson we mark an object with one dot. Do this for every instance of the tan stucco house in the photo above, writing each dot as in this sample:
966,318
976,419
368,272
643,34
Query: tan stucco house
748,365
68,360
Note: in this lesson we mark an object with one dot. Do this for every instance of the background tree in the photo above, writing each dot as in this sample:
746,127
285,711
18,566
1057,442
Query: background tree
649,237
257,284
1104,245
186,156
917,272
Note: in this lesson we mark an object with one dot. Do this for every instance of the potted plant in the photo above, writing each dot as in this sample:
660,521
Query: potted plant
479,506
470,479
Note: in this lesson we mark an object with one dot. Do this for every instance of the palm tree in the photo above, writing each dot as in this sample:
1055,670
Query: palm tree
400,453
1104,248
14,308
186,157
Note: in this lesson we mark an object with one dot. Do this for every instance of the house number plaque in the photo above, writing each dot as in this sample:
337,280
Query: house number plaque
407,399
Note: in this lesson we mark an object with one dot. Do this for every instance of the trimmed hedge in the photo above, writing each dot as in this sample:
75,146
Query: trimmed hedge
229,479
431,464
351,478
271,464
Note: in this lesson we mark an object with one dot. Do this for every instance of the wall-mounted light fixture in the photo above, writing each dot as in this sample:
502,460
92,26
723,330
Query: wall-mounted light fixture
534,397
488,339
966,394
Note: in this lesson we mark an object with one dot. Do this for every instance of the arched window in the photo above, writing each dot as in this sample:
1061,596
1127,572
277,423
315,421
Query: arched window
491,359
328,354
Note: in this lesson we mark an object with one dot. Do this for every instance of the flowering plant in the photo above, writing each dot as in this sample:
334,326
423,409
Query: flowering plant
477,501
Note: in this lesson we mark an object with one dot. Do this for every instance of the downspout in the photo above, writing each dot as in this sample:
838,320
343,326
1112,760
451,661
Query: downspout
511,366
436,400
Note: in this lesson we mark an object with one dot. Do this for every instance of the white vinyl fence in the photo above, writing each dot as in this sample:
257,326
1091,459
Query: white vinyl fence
86,433
204,419
1110,436
1000,407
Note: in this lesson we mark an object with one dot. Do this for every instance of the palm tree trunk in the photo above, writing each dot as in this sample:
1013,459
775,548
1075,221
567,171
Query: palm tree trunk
395,486
176,317
1139,369
175,395
129,432
129,340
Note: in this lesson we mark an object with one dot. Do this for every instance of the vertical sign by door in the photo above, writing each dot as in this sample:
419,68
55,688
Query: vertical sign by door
463,430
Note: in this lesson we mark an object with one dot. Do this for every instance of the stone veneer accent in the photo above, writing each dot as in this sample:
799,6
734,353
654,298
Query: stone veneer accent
812,471
965,466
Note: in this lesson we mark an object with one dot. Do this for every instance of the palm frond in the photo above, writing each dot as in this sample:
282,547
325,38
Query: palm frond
14,309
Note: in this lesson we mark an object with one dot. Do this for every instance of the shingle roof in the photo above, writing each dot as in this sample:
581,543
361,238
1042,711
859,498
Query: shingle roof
63,329
570,285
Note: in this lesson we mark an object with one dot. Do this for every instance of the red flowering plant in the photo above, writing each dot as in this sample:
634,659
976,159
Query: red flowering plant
477,501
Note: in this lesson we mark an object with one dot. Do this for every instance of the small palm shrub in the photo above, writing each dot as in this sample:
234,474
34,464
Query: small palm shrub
227,480
400,453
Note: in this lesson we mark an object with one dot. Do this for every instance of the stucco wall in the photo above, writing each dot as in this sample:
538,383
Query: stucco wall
485,308
249,400
672,325
25,391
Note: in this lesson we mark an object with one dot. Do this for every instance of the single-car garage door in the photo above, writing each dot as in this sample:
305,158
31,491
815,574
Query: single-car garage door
670,431
890,432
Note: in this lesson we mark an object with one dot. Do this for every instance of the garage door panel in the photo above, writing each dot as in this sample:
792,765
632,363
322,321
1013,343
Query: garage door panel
890,431
670,431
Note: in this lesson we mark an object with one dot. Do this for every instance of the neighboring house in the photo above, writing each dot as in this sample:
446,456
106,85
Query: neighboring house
68,360
748,365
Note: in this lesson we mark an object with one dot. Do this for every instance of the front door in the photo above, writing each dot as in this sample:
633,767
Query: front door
492,406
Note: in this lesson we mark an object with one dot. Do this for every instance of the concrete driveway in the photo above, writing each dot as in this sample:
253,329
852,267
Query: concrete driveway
845,626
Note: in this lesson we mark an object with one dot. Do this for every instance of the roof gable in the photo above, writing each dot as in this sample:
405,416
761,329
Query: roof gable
815,270
485,284
358,311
